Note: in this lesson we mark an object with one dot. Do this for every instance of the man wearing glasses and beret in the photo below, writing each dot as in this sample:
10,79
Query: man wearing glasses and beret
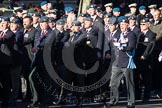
145,45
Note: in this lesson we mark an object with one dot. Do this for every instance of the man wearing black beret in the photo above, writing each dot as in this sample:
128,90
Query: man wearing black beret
125,47
52,23
17,67
7,39
145,45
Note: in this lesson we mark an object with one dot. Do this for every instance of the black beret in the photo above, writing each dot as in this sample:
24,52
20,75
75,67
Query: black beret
0,19
36,14
19,10
93,6
51,19
132,17
60,22
108,15
145,20
43,19
81,15
76,23
113,20
15,20
5,19
88,19
54,11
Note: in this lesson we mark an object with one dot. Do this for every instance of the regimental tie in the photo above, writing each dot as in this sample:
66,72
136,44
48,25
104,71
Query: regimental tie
43,33
111,36
2,34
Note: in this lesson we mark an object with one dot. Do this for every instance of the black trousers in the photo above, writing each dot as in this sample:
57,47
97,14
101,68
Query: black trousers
143,75
5,81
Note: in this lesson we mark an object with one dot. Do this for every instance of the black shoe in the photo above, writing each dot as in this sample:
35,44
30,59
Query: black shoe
79,103
44,106
27,100
113,102
31,106
4,105
12,104
105,106
130,106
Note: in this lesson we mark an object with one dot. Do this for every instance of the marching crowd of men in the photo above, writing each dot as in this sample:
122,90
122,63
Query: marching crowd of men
129,46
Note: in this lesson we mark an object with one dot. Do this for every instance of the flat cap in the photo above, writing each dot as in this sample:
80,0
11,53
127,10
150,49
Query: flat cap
43,3
69,9
152,6
142,8
76,23
144,20
116,9
133,17
43,19
15,21
108,5
113,20
88,19
60,22
132,5
107,15
123,19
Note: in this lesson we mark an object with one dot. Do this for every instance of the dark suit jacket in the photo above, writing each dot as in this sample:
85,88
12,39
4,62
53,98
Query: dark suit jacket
145,48
28,44
109,45
131,44
7,48
38,41
79,39
92,35
18,46
136,30
99,26
58,42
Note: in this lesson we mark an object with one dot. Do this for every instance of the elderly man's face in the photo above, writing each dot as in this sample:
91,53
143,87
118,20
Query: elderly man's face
144,26
123,26
44,25
4,25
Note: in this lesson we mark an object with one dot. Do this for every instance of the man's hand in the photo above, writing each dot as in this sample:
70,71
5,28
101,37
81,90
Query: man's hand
99,55
107,56
160,58
142,58
34,50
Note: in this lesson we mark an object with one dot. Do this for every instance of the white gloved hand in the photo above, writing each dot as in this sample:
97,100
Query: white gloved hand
160,58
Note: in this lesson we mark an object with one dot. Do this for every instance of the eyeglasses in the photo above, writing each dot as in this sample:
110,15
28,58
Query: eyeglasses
142,24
